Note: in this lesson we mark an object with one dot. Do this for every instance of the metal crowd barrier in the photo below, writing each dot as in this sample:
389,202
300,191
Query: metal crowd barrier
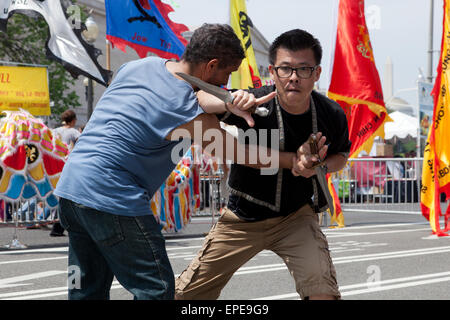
212,193
390,185
380,184
25,214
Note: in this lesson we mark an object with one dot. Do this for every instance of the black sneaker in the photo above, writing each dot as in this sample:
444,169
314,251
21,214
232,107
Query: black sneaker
56,234
57,230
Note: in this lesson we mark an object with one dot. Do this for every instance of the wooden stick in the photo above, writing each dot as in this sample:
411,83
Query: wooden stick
108,55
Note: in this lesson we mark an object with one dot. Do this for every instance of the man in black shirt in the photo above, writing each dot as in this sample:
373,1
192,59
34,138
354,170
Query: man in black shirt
278,212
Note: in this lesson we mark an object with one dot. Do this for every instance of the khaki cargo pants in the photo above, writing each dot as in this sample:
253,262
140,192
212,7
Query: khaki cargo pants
297,239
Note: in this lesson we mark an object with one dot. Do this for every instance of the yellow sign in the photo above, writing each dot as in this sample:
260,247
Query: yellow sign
24,88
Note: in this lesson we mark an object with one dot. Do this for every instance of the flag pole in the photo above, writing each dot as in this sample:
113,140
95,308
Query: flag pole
108,57
430,43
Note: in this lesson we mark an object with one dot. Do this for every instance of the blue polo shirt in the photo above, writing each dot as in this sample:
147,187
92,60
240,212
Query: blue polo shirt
122,157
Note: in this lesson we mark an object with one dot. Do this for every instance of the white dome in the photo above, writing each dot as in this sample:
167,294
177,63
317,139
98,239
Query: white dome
398,104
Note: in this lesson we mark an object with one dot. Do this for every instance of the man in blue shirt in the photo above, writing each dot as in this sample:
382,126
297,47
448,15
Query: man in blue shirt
125,154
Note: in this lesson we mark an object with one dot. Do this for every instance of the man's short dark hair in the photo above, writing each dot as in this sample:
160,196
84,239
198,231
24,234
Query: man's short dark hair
68,116
214,41
295,40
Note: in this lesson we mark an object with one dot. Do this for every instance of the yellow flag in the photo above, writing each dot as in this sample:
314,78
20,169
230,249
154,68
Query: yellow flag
436,161
248,75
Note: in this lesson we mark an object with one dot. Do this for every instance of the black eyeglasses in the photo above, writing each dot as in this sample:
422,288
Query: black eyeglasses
302,72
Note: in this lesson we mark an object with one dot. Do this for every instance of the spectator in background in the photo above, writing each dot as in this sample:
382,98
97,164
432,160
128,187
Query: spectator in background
69,135
396,168
67,132
35,211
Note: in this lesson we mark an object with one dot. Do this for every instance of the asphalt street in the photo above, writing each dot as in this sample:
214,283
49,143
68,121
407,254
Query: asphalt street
378,256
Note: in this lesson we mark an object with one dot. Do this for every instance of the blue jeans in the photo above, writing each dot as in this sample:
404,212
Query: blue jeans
103,245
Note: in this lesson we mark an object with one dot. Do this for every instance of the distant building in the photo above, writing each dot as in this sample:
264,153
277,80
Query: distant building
398,104
261,47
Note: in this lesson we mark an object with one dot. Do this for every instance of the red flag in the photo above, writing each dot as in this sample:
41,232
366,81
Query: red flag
355,83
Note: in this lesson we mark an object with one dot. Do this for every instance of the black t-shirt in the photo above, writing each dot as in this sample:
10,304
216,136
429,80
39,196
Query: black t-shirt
295,191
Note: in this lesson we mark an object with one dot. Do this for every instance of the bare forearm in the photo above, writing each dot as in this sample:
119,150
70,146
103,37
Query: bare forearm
254,156
257,156
210,103
335,162
205,130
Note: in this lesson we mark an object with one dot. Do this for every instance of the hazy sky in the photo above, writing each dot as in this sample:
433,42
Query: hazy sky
398,28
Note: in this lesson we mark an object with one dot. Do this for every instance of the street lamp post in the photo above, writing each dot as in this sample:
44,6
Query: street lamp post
89,92
90,35
430,43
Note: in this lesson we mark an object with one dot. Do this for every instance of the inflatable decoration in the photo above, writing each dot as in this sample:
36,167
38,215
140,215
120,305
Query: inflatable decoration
31,159
179,197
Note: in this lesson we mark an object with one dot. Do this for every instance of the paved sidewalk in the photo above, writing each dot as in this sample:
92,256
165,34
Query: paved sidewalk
32,238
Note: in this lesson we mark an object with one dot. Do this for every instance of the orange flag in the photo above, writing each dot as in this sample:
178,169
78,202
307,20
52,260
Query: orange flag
355,84
338,216
436,160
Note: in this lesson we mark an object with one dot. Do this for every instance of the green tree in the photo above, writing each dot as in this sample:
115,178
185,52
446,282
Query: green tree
24,42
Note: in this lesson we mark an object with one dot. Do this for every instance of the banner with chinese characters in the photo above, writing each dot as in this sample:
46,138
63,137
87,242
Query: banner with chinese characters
355,83
436,158
24,88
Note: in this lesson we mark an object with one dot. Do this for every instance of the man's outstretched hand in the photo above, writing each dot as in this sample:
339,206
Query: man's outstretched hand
245,103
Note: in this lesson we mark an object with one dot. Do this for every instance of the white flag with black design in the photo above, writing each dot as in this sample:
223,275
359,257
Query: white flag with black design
65,43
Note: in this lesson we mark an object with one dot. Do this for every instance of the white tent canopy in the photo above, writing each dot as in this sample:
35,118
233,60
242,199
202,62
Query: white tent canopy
402,126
